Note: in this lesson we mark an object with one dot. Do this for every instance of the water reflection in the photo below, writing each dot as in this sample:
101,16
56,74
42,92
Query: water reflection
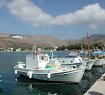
42,88
56,89
90,77
98,70
1,91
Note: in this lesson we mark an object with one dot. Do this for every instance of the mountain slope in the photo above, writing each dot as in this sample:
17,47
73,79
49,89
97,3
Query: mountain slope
15,40
26,41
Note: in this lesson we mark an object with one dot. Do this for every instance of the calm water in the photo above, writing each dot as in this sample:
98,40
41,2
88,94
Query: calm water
25,86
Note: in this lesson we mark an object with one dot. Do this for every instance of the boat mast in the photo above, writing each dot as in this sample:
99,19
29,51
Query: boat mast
34,48
88,44
52,54
82,48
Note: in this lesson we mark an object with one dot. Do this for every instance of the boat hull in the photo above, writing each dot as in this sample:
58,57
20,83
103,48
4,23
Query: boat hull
89,64
99,62
67,76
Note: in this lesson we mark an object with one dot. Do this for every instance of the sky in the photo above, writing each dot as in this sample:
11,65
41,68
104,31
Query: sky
65,19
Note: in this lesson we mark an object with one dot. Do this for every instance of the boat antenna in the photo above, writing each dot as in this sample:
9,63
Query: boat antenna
82,48
34,48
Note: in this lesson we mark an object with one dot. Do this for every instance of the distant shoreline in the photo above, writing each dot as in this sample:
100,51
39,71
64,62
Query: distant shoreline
45,51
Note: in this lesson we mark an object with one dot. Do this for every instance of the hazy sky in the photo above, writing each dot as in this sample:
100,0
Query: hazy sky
66,19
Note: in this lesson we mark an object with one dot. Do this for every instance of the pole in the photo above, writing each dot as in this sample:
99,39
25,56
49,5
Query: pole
88,44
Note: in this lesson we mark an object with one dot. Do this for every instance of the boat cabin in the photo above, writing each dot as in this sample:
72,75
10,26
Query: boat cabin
36,61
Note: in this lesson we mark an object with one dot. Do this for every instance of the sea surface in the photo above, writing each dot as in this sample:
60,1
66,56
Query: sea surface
9,85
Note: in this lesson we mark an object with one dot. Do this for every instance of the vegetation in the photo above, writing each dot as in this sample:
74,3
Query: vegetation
97,45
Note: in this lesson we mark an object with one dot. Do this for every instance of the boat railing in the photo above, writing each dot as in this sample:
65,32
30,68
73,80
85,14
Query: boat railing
21,64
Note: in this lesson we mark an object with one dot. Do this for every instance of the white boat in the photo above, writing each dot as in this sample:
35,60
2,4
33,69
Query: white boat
75,60
89,63
99,62
72,60
39,67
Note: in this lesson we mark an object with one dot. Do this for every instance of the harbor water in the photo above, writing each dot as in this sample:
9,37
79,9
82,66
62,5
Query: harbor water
9,85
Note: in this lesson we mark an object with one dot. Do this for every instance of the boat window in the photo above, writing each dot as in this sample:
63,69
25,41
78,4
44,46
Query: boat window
72,56
71,61
43,58
63,61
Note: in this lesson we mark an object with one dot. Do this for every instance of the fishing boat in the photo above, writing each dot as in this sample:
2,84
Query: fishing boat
73,60
98,57
38,67
85,54
89,63
99,62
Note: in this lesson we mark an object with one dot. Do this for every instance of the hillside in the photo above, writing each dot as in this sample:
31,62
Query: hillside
26,41
44,40
95,38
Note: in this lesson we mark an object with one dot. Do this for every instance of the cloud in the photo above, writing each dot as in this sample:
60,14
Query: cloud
93,26
4,2
28,12
92,15
89,15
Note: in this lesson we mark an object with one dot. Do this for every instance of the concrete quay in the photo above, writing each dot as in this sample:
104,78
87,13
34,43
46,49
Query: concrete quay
98,88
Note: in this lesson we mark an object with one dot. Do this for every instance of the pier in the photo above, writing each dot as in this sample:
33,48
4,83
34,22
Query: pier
98,88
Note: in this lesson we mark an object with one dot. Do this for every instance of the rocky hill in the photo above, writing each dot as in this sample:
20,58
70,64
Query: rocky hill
95,38
26,41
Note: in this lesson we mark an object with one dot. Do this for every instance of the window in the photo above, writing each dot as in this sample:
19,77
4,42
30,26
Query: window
43,58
